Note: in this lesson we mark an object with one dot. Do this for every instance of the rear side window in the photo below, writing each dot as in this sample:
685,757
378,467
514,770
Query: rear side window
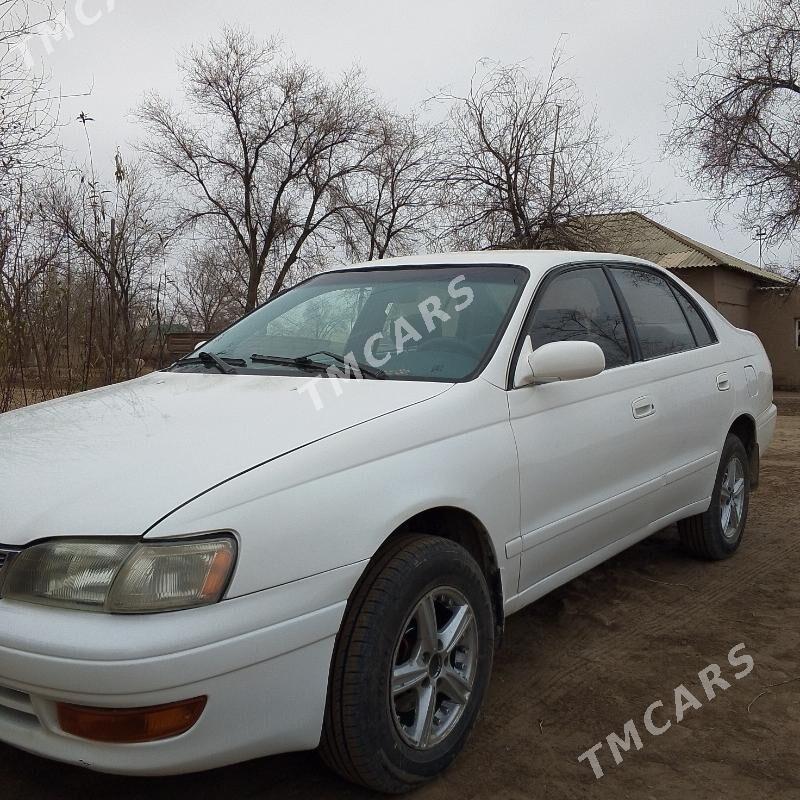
579,306
698,325
660,324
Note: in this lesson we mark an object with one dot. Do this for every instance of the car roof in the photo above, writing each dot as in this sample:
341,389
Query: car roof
537,262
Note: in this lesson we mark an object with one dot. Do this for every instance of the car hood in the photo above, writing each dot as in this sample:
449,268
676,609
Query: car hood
114,461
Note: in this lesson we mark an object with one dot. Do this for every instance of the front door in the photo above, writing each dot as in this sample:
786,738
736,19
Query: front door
587,473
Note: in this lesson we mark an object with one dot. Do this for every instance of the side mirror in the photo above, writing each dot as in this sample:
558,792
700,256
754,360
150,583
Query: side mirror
559,361
199,345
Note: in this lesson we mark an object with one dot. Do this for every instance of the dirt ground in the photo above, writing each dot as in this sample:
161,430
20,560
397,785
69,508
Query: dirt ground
576,666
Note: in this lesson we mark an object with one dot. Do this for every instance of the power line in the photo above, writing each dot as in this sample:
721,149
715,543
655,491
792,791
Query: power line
692,200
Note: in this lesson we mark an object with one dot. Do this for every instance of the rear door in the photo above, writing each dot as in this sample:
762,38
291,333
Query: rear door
587,471
683,372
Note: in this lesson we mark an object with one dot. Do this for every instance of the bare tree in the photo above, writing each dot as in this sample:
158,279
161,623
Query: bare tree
31,300
738,115
117,236
29,297
390,204
263,147
526,166
26,121
210,287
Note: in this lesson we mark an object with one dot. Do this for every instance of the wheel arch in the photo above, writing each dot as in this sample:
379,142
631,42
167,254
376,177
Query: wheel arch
464,528
744,427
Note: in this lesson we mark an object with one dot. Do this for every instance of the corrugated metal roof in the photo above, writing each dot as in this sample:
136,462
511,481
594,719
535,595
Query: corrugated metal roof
634,234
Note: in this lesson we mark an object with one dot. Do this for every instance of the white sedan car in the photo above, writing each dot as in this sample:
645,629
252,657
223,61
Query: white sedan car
311,531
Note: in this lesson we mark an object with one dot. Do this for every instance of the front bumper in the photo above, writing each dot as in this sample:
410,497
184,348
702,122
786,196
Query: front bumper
262,660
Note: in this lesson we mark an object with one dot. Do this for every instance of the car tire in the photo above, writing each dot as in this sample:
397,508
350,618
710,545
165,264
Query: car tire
420,618
717,534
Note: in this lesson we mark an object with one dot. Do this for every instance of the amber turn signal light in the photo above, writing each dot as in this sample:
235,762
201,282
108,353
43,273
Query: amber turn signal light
130,725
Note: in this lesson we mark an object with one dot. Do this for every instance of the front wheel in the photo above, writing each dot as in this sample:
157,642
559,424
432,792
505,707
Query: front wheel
718,533
411,666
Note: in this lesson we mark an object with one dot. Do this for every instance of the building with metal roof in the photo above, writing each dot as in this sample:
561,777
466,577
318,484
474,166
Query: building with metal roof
748,296
635,234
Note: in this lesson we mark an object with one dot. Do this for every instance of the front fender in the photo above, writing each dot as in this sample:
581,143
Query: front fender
335,502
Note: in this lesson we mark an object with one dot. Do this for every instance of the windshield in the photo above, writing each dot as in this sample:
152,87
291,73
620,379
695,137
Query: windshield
420,323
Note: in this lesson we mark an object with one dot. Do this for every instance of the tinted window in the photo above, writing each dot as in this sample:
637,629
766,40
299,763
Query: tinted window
579,305
696,321
659,321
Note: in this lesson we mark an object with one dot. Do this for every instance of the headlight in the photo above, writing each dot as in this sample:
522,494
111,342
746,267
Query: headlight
122,577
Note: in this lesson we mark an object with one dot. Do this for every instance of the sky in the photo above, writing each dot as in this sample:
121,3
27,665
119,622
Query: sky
621,53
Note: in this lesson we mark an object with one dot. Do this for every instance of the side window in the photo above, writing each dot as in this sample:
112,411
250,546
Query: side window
698,325
660,324
579,305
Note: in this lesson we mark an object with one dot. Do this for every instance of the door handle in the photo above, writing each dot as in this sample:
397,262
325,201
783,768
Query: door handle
723,382
643,407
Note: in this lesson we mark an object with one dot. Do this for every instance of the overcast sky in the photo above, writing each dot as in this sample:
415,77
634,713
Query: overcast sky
621,53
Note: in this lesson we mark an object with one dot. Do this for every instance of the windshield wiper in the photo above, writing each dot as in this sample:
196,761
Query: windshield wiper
307,362
373,372
286,361
212,359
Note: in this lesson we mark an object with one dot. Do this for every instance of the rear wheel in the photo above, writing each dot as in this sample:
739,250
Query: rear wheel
411,666
718,533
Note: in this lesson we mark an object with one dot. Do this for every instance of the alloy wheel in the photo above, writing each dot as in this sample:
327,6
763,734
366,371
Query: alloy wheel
732,498
433,669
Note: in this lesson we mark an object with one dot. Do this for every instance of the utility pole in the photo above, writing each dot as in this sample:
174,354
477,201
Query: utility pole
553,162
760,235
112,299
